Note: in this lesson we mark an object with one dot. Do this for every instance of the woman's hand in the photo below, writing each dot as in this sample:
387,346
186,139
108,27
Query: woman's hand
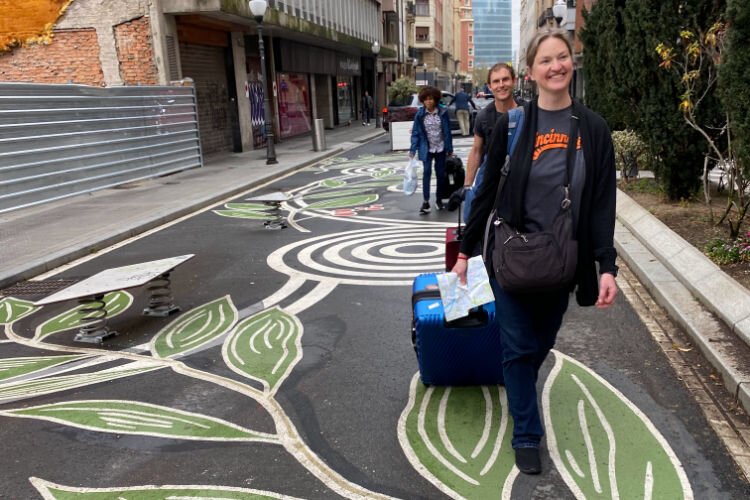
607,291
460,268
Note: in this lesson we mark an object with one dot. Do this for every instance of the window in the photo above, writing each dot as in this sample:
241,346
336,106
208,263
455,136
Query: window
471,63
471,38
423,8
422,34
471,51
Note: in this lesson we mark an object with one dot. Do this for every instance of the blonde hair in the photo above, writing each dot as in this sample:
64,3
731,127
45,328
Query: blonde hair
541,36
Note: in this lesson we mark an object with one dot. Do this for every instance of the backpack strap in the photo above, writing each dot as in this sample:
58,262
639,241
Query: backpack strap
515,124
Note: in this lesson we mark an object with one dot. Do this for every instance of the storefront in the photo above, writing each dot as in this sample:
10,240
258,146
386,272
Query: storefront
293,95
313,78
347,70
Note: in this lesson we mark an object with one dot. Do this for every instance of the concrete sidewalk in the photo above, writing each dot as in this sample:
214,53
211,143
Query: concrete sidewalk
38,239
707,303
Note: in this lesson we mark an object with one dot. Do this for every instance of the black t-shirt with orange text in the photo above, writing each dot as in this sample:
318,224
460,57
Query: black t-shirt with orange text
544,192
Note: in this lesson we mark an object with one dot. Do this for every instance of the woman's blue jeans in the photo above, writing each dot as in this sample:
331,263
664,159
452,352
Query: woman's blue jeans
439,159
528,329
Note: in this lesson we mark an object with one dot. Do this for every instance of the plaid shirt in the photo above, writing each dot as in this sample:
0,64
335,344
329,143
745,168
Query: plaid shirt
433,127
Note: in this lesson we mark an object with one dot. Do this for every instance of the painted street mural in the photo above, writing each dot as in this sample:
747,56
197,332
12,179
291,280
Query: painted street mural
254,353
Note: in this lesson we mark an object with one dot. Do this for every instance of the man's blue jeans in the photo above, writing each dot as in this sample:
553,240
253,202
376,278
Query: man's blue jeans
439,159
528,329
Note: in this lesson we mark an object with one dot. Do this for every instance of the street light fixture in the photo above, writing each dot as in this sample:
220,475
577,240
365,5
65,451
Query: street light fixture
258,9
559,10
375,51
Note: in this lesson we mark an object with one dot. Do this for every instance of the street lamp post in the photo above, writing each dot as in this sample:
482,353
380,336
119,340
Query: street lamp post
258,9
375,50
559,10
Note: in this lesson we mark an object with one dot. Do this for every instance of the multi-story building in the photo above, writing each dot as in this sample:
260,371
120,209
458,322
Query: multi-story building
537,15
433,42
464,37
319,59
493,32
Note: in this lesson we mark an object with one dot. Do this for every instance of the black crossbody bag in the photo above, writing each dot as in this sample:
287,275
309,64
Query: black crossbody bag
541,261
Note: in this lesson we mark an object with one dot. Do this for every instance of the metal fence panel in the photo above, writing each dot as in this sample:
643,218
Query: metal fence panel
62,140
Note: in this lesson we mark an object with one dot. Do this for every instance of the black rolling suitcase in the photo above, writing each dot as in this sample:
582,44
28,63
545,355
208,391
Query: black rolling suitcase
454,175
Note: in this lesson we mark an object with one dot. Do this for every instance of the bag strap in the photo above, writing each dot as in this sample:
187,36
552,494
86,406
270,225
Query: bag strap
570,158
515,118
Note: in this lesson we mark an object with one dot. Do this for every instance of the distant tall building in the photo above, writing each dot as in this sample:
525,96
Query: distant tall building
493,32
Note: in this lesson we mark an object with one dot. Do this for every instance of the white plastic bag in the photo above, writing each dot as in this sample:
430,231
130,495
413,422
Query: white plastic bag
410,177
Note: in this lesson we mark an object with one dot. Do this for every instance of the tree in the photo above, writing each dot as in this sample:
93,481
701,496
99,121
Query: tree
402,89
622,85
734,83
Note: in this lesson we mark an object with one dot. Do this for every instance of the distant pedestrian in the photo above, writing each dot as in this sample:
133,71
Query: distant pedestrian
367,109
431,140
462,101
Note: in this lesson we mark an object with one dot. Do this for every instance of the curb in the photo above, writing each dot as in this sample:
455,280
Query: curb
662,261
705,279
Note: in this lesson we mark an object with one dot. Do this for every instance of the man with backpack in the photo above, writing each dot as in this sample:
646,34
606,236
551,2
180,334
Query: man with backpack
501,79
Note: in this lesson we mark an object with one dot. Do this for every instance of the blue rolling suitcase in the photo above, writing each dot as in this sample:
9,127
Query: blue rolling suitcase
466,351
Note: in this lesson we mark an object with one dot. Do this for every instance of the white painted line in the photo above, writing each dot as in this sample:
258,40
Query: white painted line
441,427
500,433
574,464
612,457
428,443
589,446
487,423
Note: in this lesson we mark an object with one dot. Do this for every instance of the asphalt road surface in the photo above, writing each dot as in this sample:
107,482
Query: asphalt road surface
289,372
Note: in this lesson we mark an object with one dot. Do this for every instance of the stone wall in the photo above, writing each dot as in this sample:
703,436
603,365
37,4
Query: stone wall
73,56
135,52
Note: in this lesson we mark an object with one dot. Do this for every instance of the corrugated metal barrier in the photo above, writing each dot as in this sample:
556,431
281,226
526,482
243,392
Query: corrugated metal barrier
62,140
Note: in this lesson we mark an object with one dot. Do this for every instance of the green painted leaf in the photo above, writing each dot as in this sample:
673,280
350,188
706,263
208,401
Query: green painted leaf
333,193
381,183
257,207
602,444
32,388
52,491
242,214
195,328
333,183
386,172
15,367
132,417
460,438
265,347
344,202
116,303
12,309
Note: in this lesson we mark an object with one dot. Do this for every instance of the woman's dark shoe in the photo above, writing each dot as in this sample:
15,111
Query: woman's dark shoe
528,460
425,208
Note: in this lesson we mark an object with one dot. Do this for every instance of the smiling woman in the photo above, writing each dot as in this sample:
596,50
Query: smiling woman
32,21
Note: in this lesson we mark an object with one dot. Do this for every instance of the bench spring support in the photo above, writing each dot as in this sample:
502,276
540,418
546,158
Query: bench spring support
161,302
93,320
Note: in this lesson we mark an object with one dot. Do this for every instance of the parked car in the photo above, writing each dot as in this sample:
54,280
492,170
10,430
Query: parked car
404,111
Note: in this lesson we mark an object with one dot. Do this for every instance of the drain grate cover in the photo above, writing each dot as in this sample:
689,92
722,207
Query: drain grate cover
37,288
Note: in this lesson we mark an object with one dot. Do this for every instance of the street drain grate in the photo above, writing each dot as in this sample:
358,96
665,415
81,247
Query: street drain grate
37,288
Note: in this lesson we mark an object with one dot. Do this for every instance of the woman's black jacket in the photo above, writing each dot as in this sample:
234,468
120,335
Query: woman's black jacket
596,220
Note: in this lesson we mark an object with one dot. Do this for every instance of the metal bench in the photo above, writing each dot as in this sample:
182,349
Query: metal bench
90,294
